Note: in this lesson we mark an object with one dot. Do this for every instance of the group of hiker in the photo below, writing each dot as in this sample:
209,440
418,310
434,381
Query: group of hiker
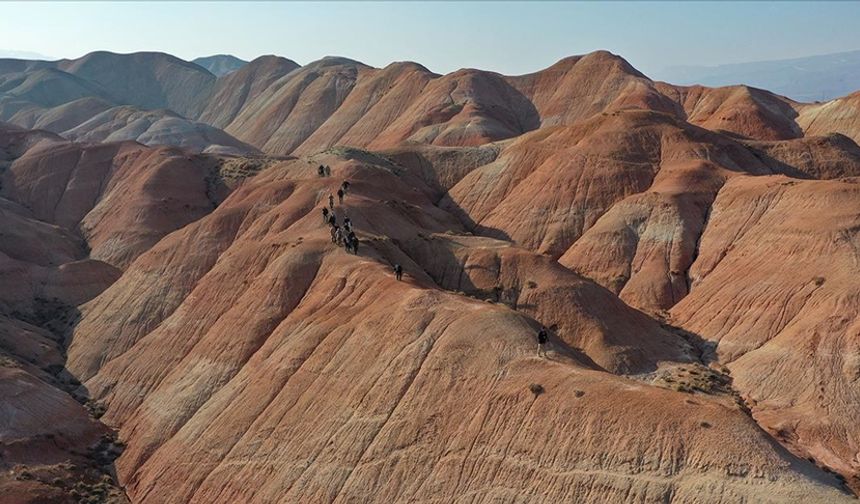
343,235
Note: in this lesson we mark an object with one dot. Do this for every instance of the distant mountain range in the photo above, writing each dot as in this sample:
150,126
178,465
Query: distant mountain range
813,78
220,64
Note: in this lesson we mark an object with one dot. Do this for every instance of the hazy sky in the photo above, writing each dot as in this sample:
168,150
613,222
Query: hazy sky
508,37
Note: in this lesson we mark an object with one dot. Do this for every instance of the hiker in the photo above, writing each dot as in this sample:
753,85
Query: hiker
347,245
325,215
332,219
327,171
321,171
542,338
331,201
347,224
398,272
334,231
354,241
345,186
338,237
340,196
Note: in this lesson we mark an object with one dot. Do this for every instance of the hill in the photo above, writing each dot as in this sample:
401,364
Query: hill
690,250
220,64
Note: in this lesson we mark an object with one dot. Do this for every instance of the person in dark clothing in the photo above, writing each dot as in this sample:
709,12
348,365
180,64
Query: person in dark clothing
340,196
354,242
347,245
543,339
334,231
338,236
347,224
332,219
398,272
321,171
325,215
327,171
345,186
331,201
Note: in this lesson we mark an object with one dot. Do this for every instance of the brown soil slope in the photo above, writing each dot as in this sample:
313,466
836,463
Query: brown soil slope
775,287
741,110
234,90
836,116
121,197
247,320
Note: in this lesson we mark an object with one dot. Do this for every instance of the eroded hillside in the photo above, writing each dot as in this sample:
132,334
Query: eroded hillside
692,251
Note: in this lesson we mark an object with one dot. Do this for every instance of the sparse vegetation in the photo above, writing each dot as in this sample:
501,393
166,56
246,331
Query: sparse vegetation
6,361
536,389
24,475
96,409
694,378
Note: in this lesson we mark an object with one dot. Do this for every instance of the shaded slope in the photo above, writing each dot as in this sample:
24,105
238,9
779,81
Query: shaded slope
146,79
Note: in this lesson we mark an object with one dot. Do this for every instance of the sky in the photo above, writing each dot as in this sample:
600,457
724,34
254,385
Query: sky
508,37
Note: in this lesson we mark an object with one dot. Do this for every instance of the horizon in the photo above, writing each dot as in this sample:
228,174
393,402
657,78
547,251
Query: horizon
511,38
43,57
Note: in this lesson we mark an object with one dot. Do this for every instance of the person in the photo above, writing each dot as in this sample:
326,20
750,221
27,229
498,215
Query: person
340,196
351,235
398,272
345,186
347,245
334,231
321,171
542,338
347,224
331,201
354,241
325,215
327,171
332,219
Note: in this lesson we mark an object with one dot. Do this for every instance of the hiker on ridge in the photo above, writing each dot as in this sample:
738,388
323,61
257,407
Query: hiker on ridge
340,196
331,201
398,272
321,171
345,186
325,215
327,171
542,338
